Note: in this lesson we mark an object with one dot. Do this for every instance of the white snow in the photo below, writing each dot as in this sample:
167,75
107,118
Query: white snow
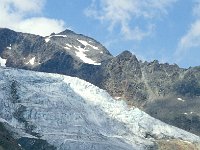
73,114
3,62
47,39
180,99
2,120
31,61
81,54
85,43
189,113
9,47
60,35
68,46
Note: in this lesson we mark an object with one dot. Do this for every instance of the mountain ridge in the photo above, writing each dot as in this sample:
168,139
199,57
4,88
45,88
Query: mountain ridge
147,85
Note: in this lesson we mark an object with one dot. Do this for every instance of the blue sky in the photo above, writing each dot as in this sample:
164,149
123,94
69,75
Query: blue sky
167,30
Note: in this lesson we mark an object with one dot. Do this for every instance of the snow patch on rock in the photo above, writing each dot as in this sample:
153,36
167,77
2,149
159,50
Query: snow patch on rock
85,43
3,62
68,46
117,98
47,39
180,99
81,54
9,47
31,61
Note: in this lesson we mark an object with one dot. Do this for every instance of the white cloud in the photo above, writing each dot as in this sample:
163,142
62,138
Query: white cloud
21,6
136,33
196,8
192,37
24,16
41,26
123,12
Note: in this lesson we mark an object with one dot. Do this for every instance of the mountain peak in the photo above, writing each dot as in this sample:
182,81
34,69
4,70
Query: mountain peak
127,55
67,31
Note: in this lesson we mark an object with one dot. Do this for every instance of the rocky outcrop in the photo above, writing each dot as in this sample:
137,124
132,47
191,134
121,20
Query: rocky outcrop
7,142
122,78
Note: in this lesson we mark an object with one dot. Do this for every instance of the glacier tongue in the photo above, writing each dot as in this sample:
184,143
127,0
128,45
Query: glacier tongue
73,114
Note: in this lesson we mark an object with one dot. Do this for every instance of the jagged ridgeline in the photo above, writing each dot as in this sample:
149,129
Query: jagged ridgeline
78,55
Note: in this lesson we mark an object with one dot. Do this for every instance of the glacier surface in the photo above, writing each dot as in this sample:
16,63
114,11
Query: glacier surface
70,113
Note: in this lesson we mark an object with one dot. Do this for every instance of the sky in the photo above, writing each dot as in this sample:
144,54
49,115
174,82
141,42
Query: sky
166,30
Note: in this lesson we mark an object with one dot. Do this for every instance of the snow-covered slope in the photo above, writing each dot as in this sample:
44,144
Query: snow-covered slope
70,113
83,48
59,51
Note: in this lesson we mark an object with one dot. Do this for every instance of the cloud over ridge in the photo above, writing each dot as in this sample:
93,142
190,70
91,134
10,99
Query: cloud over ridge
26,16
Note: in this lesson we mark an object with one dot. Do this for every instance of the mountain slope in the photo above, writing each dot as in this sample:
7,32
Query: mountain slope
70,113
30,51
159,89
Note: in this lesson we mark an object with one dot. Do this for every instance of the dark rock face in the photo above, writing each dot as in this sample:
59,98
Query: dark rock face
35,144
189,85
159,78
152,86
183,114
122,78
7,142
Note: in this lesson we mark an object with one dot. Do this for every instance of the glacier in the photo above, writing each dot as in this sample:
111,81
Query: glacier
70,113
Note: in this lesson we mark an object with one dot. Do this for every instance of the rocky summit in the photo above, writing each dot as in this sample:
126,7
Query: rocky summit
32,51
166,92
